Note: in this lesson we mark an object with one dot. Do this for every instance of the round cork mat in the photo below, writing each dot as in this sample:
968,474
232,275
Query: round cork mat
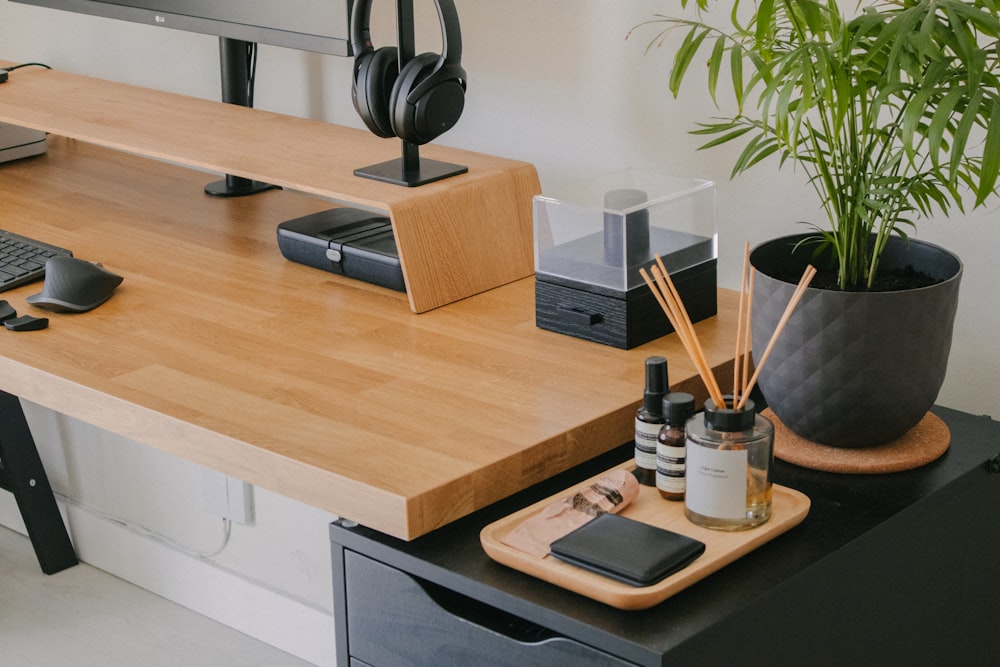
923,443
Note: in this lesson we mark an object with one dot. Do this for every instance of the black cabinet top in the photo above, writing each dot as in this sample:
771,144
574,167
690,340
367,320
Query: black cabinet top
844,507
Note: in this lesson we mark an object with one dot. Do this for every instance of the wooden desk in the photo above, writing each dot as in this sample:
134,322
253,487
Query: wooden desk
323,389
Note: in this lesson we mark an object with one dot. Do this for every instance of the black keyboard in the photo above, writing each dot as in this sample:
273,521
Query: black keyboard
23,260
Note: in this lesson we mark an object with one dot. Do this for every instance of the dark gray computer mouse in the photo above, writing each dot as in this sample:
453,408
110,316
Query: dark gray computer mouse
74,285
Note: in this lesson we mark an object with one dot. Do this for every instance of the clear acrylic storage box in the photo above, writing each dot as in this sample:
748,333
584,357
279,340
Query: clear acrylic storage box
592,238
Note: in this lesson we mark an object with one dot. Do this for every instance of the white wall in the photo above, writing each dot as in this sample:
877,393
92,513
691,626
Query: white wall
553,82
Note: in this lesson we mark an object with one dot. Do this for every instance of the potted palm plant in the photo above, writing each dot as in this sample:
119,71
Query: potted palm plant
893,113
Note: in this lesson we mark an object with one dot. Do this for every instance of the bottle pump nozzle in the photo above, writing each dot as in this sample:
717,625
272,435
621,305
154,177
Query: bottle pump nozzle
657,385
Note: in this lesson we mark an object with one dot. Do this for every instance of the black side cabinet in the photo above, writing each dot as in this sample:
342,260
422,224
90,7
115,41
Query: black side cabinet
898,569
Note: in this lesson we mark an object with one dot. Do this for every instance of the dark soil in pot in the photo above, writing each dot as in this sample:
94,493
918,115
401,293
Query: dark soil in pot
893,280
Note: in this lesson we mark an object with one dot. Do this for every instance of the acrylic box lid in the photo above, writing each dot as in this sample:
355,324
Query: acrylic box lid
597,234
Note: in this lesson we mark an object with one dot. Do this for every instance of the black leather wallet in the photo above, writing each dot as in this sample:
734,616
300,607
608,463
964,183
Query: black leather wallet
630,551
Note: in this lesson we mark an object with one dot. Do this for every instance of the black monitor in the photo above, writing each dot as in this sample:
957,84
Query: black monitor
321,26
309,25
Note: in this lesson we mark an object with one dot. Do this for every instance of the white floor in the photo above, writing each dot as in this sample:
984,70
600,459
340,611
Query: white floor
87,618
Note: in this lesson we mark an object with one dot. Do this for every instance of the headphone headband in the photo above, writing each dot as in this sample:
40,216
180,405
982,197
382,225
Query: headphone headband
451,33
361,38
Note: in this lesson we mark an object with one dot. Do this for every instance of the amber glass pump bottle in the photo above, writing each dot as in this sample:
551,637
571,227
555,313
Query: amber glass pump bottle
670,450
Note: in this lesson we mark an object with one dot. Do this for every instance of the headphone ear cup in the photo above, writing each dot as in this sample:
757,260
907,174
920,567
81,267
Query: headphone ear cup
375,76
434,111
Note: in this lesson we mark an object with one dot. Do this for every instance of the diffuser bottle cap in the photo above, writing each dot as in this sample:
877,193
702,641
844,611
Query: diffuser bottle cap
656,384
678,406
728,419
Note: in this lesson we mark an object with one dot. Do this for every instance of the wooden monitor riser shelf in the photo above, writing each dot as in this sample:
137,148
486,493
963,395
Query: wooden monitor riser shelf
320,388
456,237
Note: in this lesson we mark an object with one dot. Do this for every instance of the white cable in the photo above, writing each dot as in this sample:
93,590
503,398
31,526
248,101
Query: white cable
174,544
139,529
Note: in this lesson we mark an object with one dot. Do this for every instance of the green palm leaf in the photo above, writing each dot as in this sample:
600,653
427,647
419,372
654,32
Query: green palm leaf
891,112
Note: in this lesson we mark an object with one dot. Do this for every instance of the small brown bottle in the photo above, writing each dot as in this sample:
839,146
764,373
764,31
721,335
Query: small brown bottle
671,455
649,419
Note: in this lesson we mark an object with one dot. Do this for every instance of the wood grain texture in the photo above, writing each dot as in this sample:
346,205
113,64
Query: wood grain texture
318,387
456,237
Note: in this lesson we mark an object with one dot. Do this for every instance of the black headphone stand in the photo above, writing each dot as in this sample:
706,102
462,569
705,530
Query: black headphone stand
409,169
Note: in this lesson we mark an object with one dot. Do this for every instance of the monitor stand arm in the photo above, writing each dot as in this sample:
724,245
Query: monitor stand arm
236,66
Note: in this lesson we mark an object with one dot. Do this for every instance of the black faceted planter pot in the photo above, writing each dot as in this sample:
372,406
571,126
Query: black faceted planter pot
854,369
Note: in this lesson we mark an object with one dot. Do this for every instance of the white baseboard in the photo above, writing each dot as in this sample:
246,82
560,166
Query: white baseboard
293,626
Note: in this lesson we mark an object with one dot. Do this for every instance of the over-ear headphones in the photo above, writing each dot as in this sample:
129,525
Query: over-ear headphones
419,102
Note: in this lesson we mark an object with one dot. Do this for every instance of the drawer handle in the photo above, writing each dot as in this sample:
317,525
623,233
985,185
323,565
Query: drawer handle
485,616
577,316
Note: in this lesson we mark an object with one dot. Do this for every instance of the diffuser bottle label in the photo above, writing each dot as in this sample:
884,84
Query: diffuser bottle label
716,482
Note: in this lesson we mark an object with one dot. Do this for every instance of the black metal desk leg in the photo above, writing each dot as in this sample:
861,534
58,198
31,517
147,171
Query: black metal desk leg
22,474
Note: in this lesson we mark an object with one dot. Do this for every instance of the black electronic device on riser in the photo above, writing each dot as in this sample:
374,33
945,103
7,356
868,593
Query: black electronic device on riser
345,241
414,97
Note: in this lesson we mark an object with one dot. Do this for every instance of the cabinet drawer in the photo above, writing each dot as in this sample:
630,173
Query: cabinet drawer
396,619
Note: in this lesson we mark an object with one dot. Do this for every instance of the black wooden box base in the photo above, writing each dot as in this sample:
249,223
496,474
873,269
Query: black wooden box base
624,319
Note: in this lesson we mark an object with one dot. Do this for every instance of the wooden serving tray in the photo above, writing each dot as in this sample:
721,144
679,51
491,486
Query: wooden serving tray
788,509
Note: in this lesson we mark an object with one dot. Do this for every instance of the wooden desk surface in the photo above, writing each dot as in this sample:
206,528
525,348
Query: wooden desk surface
327,390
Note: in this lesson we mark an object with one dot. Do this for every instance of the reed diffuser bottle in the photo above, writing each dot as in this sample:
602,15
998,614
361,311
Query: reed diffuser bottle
729,455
